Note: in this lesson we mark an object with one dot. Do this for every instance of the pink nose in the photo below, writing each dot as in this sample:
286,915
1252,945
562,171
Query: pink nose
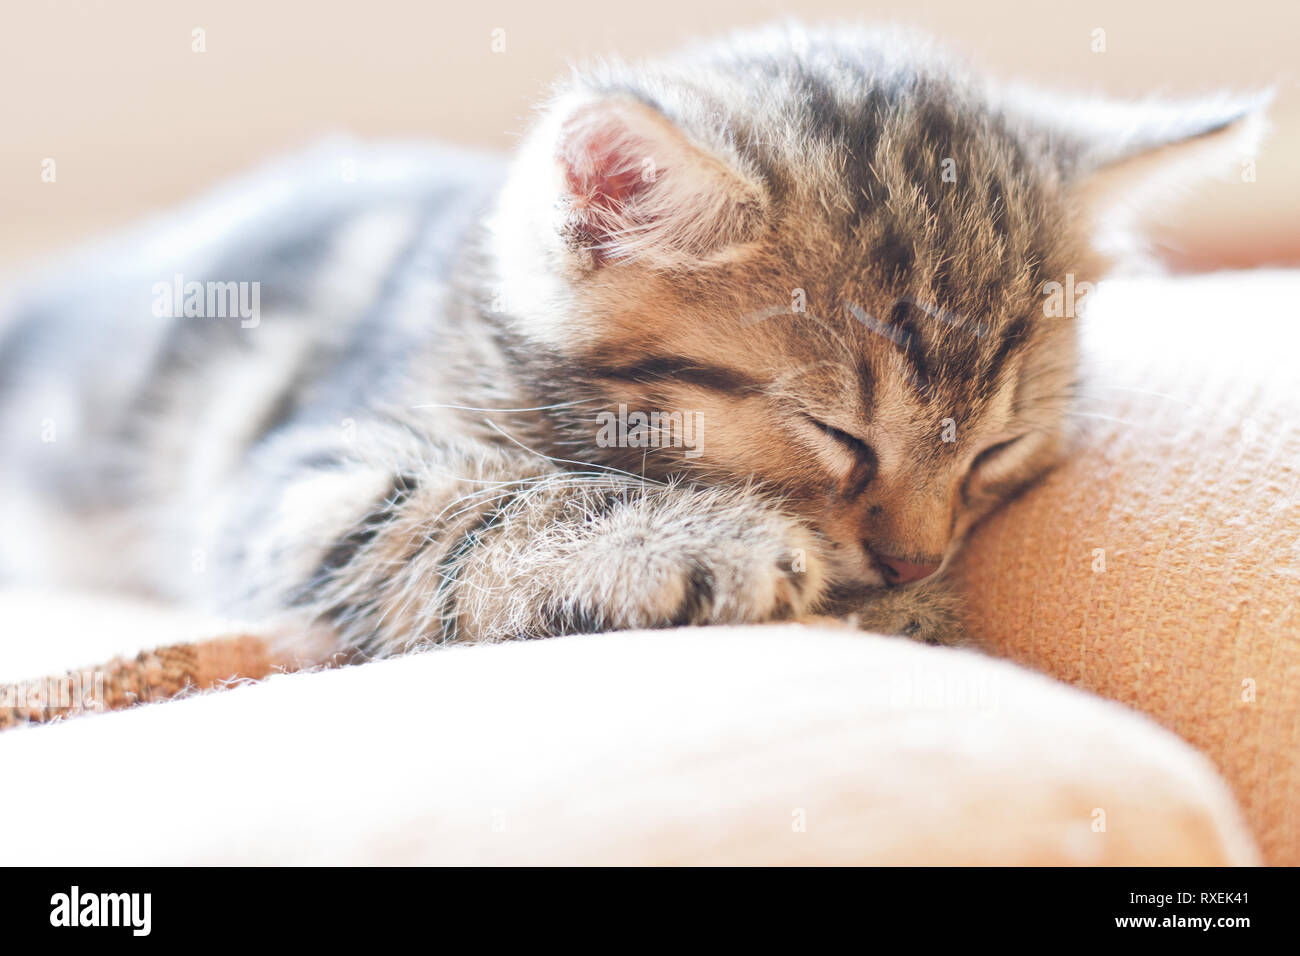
898,571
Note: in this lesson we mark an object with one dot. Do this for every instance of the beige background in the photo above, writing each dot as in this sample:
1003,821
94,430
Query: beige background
135,120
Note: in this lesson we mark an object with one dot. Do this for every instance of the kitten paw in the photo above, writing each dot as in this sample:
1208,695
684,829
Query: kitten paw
717,566
927,614
666,559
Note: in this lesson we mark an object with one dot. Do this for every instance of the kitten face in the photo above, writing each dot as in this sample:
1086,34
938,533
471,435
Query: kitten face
887,420
828,253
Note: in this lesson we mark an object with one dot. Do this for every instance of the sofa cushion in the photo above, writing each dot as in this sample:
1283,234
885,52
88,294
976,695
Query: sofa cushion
1160,566
781,744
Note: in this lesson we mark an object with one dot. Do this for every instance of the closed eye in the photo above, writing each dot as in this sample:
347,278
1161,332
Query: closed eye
863,471
986,456
856,446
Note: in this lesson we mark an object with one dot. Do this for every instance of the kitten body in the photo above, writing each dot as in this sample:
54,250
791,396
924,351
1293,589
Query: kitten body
749,333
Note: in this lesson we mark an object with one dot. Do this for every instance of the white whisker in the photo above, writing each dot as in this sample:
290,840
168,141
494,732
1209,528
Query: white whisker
566,461
538,408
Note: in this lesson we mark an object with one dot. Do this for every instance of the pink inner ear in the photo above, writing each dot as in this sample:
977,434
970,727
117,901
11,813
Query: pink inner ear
636,187
599,167
603,164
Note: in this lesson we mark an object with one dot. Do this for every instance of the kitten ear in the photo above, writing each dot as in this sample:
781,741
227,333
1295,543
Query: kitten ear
1123,159
634,186
1131,146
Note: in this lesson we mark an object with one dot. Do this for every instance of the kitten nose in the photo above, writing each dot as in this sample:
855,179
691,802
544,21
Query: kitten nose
898,571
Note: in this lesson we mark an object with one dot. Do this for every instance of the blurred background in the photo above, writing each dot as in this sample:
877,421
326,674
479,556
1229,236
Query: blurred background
136,118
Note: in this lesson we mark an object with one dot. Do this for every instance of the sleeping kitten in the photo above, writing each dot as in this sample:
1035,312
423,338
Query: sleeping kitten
747,334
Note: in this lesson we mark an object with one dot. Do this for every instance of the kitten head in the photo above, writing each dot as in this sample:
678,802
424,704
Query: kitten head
833,265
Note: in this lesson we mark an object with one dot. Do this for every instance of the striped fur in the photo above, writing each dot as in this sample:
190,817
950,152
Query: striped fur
820,256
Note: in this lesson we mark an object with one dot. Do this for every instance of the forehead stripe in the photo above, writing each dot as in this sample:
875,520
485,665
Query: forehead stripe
903,333
1017,334
658,368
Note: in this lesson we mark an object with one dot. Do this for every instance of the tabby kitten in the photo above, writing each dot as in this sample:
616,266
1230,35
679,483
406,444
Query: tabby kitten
746,334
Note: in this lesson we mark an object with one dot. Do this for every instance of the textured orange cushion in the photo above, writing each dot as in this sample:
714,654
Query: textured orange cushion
1160,566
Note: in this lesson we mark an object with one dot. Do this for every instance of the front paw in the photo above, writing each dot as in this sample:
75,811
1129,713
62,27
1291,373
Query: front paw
710,565
666,558
926,613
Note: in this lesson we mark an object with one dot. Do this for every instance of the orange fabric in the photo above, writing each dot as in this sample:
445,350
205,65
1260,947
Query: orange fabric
1185,488
153,675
